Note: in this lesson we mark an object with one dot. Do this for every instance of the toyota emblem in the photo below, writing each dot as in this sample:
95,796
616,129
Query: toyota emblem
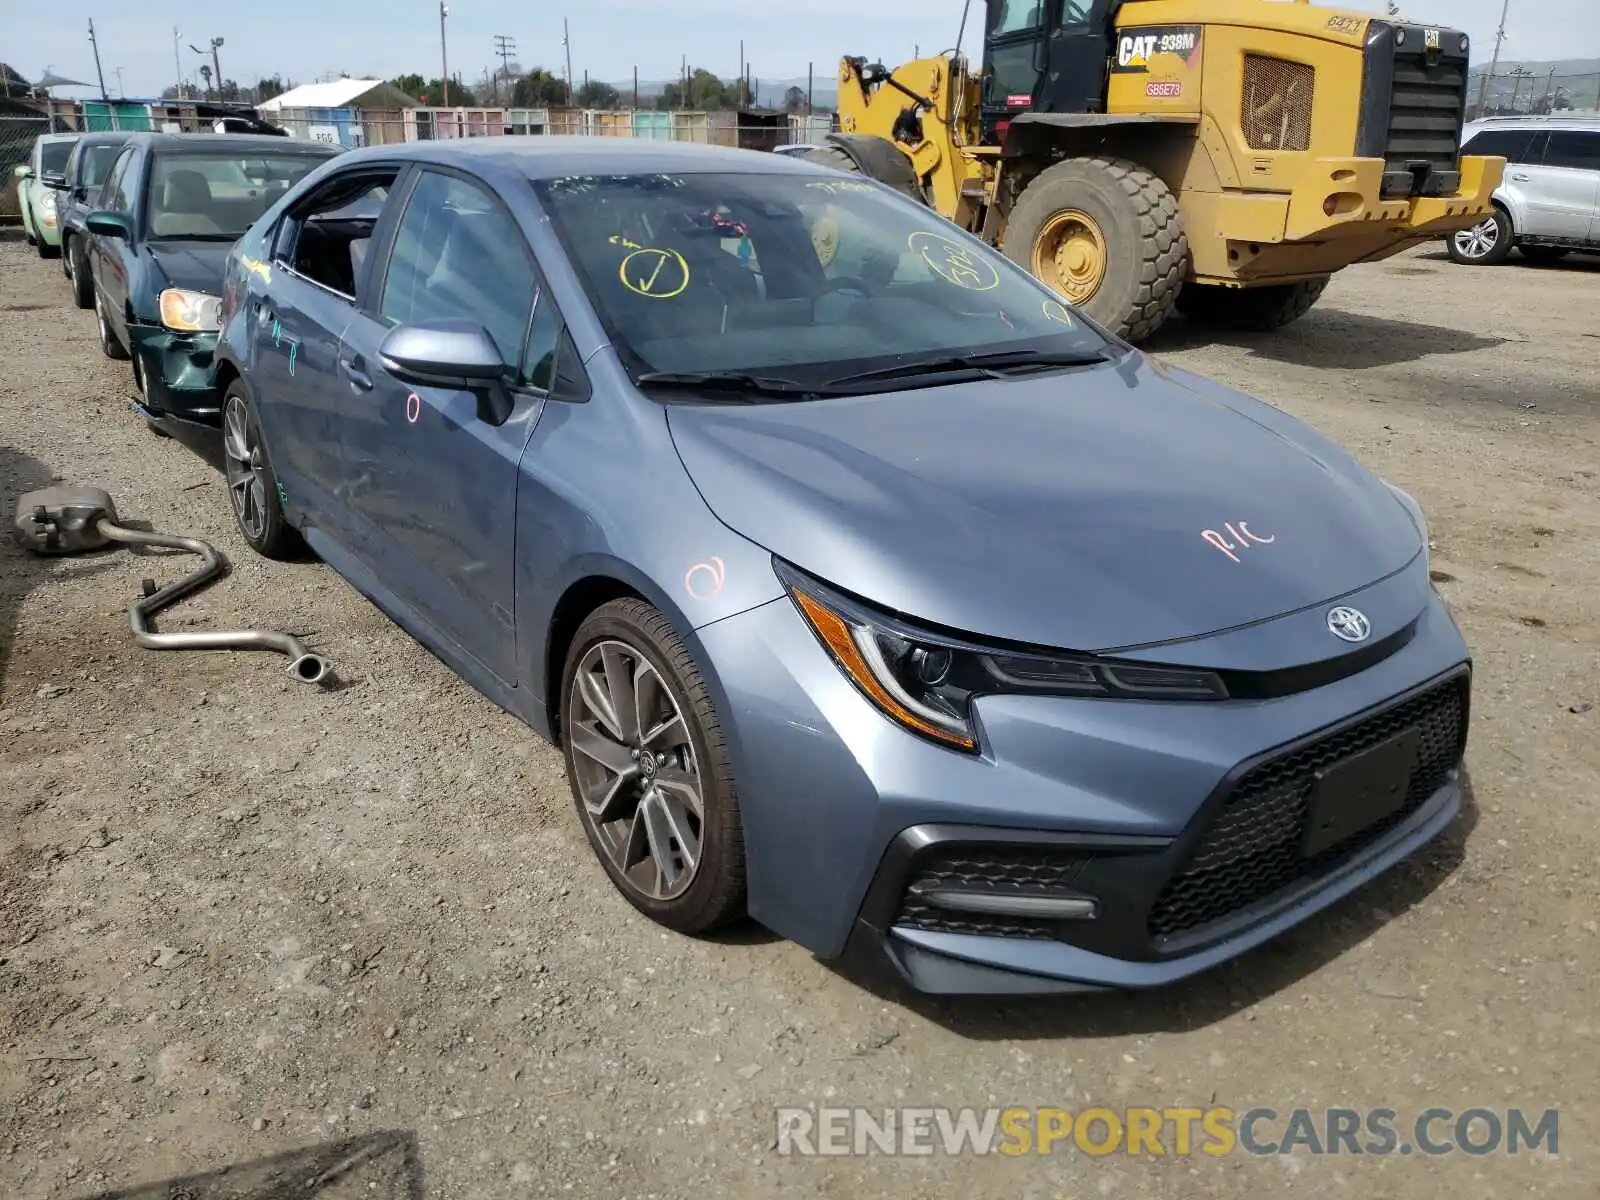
1349,624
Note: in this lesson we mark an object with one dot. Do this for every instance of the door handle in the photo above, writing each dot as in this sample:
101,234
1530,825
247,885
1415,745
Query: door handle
1519,177
352,370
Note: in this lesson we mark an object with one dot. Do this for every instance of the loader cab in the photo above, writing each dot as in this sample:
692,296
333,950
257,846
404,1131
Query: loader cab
1045,56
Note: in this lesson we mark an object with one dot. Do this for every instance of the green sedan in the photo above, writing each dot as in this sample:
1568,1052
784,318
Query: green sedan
38,202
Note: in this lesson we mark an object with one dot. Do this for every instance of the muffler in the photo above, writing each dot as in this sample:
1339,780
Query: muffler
76,520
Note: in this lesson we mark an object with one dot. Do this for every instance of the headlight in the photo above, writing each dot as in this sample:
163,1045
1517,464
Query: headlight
191,312
926,682
47,201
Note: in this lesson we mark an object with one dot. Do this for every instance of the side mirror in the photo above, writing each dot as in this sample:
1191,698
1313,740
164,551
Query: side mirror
453,354
22,171
109,224
53,179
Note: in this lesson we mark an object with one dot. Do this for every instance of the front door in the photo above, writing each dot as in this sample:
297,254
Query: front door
433,479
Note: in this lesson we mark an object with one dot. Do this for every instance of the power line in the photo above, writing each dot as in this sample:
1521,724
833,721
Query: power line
505,47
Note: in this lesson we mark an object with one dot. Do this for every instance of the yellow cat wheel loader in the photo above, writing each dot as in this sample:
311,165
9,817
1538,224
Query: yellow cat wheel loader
1218,157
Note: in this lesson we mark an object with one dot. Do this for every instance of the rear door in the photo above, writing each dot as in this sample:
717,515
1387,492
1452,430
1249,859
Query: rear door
1562,187
434,481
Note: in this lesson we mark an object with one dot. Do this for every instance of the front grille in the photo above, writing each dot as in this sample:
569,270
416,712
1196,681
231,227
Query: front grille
1250,851
1426,106
1275,107
1023,870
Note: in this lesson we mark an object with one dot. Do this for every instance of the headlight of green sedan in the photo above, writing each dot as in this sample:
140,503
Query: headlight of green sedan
191,312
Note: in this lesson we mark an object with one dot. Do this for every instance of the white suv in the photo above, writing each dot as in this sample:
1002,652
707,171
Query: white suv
1549,203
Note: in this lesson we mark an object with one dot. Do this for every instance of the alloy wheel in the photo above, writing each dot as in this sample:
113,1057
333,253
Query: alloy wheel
1475,243
635,771
242,461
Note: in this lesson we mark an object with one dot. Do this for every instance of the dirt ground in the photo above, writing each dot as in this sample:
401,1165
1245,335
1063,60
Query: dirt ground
241,918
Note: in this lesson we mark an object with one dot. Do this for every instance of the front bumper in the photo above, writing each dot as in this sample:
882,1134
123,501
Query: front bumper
176,374
850,822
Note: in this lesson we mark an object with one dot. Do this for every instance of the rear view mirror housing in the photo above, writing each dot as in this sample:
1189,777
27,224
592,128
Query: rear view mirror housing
22,171
54,179
109,224
450,354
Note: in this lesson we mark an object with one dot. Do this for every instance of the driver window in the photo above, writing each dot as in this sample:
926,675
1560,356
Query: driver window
325,239
459,255
1014,16
112,195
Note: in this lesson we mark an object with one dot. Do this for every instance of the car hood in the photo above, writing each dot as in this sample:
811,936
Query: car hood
197,266
1068,510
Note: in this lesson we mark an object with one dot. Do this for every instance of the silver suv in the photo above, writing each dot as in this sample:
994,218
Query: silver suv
1549,203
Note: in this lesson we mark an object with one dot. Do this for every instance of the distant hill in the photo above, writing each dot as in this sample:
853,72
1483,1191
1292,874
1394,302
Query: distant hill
1577,78
770,93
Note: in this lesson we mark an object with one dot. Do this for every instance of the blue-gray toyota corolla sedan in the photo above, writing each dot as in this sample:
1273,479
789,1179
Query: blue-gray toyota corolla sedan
868,590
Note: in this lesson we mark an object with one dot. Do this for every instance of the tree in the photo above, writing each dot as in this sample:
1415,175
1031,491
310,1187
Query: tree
539,89
271,86
187,92
705,93
431,91
794,100
595,94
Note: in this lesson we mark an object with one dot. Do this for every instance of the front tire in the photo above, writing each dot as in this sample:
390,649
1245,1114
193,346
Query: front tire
1104,233
45,249
78,271
252,485
1486,244
109,346
1257,309
649,769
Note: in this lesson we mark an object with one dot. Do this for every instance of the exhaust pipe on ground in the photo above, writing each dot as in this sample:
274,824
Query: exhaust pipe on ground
65,520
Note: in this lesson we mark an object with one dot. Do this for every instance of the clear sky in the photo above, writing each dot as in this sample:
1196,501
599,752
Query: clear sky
303,39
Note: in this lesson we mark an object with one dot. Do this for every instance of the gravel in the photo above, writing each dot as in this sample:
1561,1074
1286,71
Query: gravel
243,918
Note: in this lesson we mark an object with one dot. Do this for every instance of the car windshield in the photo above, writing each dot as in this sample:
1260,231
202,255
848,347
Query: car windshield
806,278
216,197
53,155
97,162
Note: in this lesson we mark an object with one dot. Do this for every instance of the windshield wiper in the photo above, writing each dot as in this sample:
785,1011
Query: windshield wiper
725,381
992,364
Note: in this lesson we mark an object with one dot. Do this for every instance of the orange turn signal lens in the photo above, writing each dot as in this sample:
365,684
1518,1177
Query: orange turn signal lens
840,639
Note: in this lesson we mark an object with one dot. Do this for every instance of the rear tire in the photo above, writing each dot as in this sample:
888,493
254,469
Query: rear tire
252,485
1257,309
1486,244
1112,238
109,346
82,278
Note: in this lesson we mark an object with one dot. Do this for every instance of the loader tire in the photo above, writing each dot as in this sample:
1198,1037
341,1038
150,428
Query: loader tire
903,182
1257,309
1105,233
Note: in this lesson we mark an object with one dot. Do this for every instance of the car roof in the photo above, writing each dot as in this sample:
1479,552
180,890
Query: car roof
201,143
59,137
1562,121
536,156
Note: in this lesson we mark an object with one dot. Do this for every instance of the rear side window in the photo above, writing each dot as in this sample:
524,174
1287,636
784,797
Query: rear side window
116,194
459,255
1575,149
1513,145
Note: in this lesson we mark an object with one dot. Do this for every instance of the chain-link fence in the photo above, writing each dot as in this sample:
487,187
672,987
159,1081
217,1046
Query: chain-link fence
1520,91
752,131
17,134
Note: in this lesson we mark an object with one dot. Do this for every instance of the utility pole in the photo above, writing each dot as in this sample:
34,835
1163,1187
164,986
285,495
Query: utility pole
505,47
566,44
741,68
444,56
99,74
121,92
636,87
216,64
1499,37
177,63
811,79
